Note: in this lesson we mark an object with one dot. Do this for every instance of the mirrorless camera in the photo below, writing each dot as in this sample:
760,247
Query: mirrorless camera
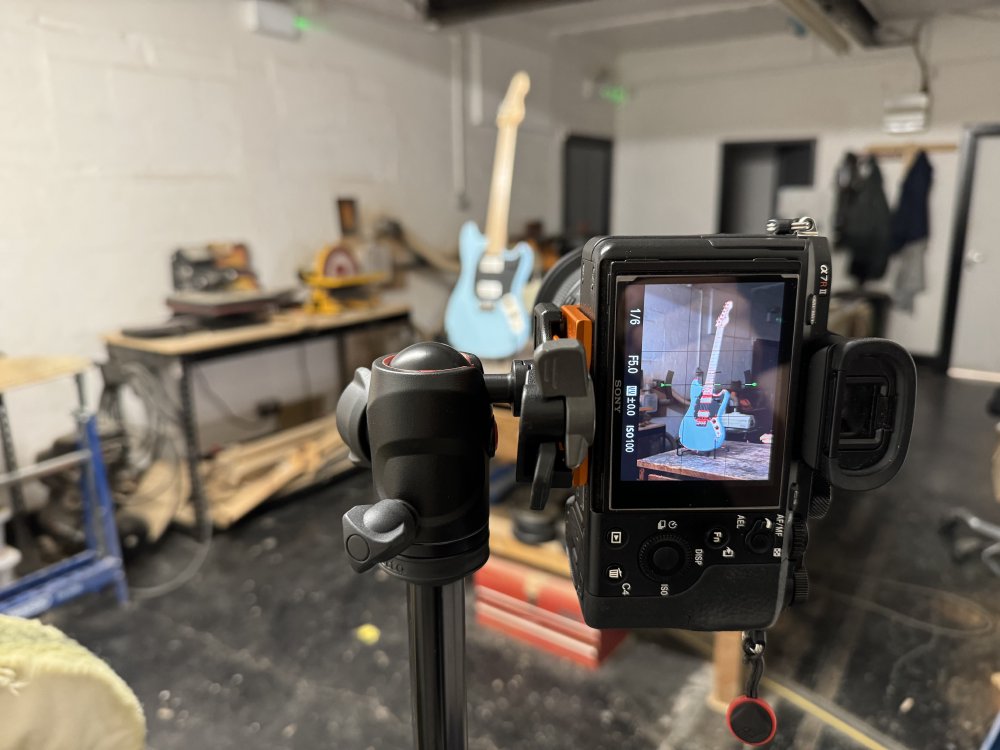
725,414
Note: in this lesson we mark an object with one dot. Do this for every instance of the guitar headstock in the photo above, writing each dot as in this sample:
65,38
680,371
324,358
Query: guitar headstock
723,320
512,108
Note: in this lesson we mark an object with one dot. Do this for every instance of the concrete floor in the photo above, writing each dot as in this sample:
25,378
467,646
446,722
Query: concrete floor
260,651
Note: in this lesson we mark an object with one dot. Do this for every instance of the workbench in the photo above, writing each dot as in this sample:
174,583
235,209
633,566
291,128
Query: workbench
733,460
186,351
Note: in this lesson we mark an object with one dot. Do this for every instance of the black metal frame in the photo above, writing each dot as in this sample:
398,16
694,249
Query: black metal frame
960,226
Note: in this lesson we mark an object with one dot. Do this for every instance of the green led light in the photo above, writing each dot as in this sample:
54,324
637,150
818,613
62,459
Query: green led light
304,24
751,385
614,94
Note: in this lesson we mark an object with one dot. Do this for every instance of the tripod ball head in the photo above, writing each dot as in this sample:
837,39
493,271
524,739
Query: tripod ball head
423,419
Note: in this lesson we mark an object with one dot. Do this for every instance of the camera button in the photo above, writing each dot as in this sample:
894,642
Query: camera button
759,539
667,559
615,573
663,556
616,537
717,537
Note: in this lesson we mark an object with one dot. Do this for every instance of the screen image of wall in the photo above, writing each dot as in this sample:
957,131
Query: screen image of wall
706,358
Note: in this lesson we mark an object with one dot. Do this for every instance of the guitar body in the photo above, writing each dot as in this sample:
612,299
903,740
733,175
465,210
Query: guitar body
701,428
486,314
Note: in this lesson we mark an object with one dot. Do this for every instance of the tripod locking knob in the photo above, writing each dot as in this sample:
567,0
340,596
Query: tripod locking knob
379,532
352,417
557,418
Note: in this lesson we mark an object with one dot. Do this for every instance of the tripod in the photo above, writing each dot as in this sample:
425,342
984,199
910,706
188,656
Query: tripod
423,420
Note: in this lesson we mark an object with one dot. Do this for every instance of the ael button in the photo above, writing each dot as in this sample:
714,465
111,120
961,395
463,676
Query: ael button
759,538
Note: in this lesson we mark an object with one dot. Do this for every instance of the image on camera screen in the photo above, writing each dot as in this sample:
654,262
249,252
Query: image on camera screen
703,378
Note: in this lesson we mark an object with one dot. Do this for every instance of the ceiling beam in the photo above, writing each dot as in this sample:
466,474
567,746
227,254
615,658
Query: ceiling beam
818,22
626,20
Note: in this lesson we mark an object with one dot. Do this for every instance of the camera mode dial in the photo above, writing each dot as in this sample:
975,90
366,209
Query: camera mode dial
663,556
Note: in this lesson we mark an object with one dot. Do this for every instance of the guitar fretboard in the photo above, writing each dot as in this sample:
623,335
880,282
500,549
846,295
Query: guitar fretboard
713,364
498,211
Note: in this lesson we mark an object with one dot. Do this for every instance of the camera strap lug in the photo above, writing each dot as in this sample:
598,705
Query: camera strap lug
750,718
804,226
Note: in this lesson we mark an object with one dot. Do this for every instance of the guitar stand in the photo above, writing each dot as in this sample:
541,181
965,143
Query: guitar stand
423,420
682,451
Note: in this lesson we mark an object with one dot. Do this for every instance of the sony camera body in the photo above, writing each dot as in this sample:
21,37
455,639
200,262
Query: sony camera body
725,413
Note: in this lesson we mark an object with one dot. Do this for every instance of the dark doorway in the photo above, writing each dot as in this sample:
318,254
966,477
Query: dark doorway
752,174
586,188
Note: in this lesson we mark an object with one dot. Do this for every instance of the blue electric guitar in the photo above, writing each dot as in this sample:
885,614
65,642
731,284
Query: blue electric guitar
486,314
702,428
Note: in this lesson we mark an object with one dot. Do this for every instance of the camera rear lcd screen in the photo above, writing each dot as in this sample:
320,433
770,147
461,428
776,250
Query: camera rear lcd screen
703,368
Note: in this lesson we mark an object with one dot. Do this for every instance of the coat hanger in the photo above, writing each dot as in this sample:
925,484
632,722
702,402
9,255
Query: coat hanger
906,150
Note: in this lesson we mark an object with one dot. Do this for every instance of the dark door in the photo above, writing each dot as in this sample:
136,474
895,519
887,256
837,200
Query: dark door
586,188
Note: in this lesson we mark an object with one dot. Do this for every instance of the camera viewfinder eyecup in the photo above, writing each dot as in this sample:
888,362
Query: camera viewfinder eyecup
859,406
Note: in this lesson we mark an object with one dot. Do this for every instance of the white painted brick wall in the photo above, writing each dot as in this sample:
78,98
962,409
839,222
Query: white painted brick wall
130,127
688,101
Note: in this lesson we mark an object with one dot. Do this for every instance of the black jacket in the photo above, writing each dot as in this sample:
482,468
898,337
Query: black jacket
862,217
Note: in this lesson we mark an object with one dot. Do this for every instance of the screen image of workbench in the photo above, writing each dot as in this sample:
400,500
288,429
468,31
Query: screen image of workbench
701,370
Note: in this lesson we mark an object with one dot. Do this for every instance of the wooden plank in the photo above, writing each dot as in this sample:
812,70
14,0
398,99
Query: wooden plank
17,372
163,489
243,476
281,325
248,497
507,426
727,659
234,463
548,556
746,461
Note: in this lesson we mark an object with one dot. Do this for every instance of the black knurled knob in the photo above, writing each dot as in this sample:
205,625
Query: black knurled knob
800,586
822,498
800,538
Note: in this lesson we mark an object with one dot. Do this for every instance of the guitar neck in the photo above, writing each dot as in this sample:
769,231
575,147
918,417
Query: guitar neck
498,213
713,363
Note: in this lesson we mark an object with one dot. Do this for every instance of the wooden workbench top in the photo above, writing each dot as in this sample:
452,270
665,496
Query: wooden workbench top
17,372
280,325
747,461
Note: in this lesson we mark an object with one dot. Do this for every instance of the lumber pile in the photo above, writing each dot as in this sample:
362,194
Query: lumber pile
241,477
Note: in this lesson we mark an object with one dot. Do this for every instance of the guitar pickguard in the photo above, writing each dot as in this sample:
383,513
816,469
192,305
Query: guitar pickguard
486,314
494,279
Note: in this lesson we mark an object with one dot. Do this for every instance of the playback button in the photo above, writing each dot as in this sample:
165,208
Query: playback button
616,538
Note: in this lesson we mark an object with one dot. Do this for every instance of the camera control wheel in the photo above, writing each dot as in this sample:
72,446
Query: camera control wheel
663,556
